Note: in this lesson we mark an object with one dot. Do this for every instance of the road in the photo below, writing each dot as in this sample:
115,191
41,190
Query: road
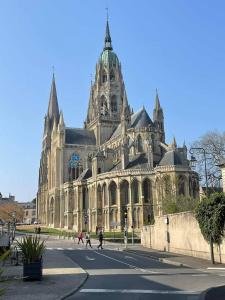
116,274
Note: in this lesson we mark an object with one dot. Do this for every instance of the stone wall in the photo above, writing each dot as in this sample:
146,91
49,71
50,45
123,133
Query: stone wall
180,233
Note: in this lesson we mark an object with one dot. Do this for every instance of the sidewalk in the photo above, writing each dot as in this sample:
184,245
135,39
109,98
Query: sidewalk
61,277
173,258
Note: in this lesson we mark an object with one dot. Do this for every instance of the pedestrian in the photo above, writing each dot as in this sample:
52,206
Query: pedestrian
80,237
100,238
96,230
88,239
38,230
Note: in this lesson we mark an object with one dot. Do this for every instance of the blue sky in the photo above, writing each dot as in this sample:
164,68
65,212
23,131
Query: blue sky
176,46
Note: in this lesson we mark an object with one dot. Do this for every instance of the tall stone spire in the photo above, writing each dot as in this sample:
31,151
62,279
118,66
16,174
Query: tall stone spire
108,41
158,116
157,103
53,107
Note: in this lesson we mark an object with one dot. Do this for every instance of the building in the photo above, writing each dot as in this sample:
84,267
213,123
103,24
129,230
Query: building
29,208
10,199
117,164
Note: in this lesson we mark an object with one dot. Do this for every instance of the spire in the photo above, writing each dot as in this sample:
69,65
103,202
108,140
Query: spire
157,103
61,120
174,143
53,108
108,41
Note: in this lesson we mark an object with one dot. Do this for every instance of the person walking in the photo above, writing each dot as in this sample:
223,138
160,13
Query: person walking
88,239
80,237
100,238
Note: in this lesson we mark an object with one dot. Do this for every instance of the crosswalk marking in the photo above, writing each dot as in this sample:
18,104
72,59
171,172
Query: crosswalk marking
128,291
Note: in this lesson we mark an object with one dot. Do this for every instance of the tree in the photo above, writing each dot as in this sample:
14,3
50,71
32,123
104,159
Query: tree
7,209
176,204
214,144
210,214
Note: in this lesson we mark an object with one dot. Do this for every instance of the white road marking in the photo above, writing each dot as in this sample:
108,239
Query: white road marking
198,275
129,257
70,249
49,248
220,269
59,248
126,291
124,263
89,258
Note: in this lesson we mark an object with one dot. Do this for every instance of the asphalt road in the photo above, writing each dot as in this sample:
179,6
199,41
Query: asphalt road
117,274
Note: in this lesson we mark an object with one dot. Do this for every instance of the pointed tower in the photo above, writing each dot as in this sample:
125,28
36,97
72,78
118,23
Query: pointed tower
158,117
107,93
53,107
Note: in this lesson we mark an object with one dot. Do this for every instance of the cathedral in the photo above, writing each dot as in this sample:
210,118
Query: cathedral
118,168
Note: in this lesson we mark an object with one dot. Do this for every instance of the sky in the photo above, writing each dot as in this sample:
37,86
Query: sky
176,46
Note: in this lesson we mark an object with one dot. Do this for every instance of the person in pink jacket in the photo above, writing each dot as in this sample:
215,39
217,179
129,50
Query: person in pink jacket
80,237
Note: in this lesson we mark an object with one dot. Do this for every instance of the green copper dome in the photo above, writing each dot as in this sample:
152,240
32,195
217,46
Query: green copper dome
108,57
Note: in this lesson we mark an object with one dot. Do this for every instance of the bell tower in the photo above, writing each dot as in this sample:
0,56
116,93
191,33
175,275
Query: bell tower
107,93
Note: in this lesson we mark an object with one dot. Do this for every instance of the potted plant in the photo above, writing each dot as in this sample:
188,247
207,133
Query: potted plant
32,249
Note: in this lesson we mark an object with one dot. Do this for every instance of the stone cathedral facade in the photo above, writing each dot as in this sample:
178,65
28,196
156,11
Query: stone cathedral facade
118,162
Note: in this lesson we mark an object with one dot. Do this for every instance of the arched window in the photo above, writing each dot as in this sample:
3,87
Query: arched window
139,144
112,76
85,198
134,191
113,104
167,185
124,192
104,77
147,190
103,106
112,193
181,185
75,166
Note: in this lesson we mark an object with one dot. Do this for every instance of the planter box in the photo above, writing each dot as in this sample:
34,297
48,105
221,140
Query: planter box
32,271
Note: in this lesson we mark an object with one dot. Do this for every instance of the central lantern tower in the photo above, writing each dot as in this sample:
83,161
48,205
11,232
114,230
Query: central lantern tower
108,95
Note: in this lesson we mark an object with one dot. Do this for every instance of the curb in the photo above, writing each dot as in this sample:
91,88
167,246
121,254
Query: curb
163,260
73,291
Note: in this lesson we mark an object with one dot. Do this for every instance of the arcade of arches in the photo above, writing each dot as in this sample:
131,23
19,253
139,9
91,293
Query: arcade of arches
103,204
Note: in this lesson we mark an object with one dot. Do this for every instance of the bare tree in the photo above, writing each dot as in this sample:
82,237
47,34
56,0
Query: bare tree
214,144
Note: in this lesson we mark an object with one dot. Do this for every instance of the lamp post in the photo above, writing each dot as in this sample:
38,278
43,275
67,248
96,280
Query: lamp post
193,161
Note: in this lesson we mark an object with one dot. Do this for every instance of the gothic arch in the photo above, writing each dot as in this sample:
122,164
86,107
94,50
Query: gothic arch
139,144
112,75
124,192
135,191
112,193
147,190
104,76
181,185
103,106
113,104
167,186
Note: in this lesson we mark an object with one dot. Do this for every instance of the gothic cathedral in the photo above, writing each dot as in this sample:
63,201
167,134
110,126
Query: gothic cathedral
117,164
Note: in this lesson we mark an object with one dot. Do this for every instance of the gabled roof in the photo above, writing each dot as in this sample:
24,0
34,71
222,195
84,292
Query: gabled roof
171,158
80,136
140,119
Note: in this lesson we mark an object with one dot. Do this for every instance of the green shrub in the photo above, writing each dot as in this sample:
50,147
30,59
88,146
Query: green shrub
32,248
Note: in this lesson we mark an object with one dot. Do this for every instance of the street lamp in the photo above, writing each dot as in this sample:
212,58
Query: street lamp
125,228
193,161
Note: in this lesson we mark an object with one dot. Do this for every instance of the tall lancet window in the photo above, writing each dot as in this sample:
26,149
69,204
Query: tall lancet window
139,144
75,166
113,104
103,106
104,77
112,75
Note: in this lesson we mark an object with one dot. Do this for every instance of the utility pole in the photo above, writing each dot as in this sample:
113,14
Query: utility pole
125,229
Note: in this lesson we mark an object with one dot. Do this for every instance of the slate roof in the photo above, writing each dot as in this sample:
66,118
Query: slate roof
87,173
171,158
140,119
80,136
138,161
